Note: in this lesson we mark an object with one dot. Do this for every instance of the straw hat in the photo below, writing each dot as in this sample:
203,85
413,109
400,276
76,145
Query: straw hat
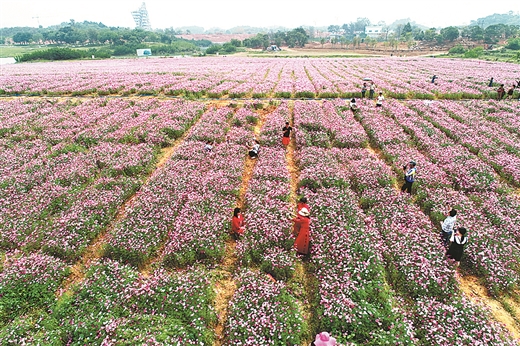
304,212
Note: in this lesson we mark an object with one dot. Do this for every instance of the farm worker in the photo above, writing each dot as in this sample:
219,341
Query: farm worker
372,90
458,241
208,147
253,153
501,91
302,222
353,105
324,339
409,176
363,90
286,130
490,82
380,98
447,227
433,78
510,91
237,223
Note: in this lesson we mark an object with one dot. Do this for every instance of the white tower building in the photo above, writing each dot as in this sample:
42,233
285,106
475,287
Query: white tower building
141,18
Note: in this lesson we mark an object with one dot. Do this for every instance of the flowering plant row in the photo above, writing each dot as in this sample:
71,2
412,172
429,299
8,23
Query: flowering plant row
246,77
268,210
263,312
353,302
436,192
466,317
67,166
182,204
116,304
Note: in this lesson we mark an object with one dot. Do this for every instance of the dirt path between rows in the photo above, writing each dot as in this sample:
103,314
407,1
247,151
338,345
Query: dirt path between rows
473,289
477,293
225,287
95,250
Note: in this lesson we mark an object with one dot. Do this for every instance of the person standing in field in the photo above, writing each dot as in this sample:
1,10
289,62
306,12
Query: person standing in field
380,99
490,82
409,176
433,78
501,91
363,90
286,137
511,91
448,226
302,223
372,90
237,224
302,204
456,249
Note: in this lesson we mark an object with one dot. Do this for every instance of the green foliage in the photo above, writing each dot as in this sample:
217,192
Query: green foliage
474,53
458,49
513,44
213,49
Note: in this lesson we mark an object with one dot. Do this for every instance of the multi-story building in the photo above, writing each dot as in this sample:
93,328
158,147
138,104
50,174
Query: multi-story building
141,18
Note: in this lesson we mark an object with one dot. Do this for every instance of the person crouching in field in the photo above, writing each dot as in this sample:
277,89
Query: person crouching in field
448,226
353,106
286,137
237,224
253,152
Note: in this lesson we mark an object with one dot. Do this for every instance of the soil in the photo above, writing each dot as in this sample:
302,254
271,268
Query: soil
477,293
225,287
95,251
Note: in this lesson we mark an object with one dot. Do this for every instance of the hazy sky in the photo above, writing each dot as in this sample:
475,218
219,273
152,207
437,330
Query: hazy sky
261,13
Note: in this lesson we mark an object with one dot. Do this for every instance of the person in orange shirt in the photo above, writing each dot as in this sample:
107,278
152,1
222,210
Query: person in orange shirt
237,224
302,222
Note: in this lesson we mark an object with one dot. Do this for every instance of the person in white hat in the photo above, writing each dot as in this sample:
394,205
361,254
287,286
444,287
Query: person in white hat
302,222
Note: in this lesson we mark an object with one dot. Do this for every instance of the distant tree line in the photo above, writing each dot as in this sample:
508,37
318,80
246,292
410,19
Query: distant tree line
294,38
488,35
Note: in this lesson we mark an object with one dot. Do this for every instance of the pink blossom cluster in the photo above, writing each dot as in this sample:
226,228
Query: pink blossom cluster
396,77
67,171
183,203
489,248
263,312
115,304
390,228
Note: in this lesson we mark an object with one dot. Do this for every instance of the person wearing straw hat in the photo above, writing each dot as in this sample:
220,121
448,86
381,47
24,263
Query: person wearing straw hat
302,224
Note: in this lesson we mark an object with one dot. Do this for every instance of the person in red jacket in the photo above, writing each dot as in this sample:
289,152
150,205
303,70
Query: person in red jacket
237,224
302,222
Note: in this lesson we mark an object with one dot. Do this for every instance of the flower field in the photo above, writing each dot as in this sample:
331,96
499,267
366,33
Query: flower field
111,153
401,78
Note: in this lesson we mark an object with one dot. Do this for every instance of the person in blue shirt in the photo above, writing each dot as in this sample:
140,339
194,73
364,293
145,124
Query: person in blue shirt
409,176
